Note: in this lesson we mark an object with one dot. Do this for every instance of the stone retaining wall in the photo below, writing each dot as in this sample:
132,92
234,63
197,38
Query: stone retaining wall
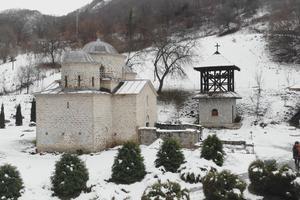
187,138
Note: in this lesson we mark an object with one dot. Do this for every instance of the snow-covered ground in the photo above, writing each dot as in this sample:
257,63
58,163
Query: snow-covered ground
246,50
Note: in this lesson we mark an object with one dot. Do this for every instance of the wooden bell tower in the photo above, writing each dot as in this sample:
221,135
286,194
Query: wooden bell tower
217,75
217,96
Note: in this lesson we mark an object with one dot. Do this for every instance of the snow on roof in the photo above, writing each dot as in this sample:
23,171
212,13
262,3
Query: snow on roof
131,87
56,89
295,87
77,56
216,60
217,95
99,46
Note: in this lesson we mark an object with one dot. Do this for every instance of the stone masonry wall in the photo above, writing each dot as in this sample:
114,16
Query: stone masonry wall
146,107
187,138
226,109
64,123
124,118
72,71
103,128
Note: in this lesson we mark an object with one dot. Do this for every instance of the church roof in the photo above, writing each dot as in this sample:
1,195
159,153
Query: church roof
99,46
131,87
217,60
77,56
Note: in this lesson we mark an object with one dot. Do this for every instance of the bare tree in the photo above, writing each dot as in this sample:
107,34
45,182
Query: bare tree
27,74
51,48
257,97
170,56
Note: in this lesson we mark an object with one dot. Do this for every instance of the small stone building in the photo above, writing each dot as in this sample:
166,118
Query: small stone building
98,103
217,96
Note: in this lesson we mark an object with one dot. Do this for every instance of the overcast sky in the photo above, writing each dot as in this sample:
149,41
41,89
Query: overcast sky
51,7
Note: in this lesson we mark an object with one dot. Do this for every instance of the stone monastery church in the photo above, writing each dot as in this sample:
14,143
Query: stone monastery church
98,103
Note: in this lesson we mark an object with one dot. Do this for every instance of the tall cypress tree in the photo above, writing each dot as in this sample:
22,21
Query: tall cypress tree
19,117
33,111
2,117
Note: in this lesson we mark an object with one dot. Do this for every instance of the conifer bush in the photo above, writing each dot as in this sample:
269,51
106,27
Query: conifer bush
223,186
169,156
128,165
70,177
212,149
193,172
167,191
33,111
19,117
2,117
11,183
267,178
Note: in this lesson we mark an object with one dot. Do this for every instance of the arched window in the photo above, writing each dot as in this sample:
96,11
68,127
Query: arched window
147,121
214,113
102,71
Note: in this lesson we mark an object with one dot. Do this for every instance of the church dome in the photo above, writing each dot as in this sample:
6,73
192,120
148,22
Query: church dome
99,46
78,56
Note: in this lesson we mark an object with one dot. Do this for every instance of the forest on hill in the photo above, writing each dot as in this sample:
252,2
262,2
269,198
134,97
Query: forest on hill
133,24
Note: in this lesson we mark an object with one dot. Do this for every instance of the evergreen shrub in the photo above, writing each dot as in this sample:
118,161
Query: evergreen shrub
70,177
169,156
223,186
19,117
33,111
11,183
193,172
212,149
168,191
268,179
128,165
2,117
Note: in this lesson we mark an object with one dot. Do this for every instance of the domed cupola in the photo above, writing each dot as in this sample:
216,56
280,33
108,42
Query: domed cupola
99,46
77,56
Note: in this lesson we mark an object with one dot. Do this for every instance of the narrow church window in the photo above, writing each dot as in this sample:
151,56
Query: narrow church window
102,71
79,81
66,81
68,105
214,113
93,82
147,121
147,100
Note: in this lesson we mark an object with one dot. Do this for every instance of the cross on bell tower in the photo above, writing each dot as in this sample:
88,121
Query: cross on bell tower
217,46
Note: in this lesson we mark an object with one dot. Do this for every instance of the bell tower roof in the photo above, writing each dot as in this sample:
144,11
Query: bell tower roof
215,61
217,74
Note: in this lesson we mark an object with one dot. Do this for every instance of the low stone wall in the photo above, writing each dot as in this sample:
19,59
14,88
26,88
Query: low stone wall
187,138
178,126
